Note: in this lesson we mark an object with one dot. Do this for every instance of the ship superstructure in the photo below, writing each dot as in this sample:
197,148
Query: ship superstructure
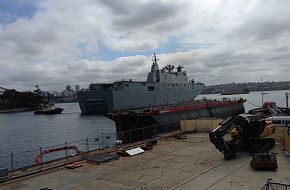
165,86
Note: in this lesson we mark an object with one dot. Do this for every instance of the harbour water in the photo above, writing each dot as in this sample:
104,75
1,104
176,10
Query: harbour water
25,131
254,99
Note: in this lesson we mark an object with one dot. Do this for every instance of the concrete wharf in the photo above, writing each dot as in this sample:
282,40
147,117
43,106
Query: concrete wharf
191,163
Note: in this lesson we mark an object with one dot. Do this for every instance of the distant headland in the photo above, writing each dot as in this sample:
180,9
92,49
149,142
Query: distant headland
251,86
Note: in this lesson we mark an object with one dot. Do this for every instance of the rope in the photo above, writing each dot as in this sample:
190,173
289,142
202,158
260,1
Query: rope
253,104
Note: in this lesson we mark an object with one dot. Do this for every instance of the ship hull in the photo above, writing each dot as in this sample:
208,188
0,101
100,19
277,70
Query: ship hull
134,126
135,96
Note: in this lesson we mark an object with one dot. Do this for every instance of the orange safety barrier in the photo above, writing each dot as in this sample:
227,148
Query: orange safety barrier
38,158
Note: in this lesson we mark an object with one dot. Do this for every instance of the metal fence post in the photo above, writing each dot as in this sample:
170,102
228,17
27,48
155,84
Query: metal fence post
102,140
41,159
11,161
107,136
166,130
130,136
87,147
116,141
99,142
66,154
143,133
106,141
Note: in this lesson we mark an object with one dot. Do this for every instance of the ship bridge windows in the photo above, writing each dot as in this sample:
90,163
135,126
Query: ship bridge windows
277,122
150,88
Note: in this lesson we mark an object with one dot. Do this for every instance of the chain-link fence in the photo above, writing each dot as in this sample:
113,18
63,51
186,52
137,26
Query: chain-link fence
77,150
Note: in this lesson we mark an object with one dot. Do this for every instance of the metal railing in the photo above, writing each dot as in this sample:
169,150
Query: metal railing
23,163
272,185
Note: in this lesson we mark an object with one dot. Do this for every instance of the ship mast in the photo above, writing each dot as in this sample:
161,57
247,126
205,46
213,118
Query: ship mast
154,75
154,59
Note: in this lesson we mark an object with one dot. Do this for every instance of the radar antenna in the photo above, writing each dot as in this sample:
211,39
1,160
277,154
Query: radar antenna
169,67
179,68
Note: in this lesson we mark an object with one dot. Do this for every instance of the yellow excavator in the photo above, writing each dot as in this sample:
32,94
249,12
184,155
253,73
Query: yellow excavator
247,132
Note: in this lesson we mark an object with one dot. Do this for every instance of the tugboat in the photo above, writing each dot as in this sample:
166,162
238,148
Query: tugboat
48,109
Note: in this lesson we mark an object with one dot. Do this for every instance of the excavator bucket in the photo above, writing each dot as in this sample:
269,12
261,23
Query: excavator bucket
264,161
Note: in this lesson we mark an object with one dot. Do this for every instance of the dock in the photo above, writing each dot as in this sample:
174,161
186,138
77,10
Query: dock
174,163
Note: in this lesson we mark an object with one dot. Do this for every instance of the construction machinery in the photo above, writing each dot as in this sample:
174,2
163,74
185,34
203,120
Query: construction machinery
247,133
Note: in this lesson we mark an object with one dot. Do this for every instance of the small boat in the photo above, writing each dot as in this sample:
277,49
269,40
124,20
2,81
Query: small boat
50,110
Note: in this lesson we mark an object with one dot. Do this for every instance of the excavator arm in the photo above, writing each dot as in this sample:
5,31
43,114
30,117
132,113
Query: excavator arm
249,129
216,137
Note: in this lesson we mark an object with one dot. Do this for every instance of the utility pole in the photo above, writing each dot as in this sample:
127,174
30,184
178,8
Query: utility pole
262,91
287,95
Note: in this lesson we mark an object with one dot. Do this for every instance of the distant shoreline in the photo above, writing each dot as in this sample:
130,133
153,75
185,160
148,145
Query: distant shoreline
204,93
14,110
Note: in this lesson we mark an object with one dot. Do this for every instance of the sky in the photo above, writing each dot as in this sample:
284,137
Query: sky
53,43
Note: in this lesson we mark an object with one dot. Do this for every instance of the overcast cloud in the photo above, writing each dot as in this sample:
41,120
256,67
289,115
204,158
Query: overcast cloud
60,42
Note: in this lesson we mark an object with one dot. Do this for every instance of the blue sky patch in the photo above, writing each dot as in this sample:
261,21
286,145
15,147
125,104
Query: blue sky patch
170,46
11,10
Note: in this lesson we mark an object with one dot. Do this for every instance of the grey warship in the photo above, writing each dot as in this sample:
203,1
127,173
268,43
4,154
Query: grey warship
165,86
141,110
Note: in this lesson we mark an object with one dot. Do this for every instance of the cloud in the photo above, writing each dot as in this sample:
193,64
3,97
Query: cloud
56,43
267,21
